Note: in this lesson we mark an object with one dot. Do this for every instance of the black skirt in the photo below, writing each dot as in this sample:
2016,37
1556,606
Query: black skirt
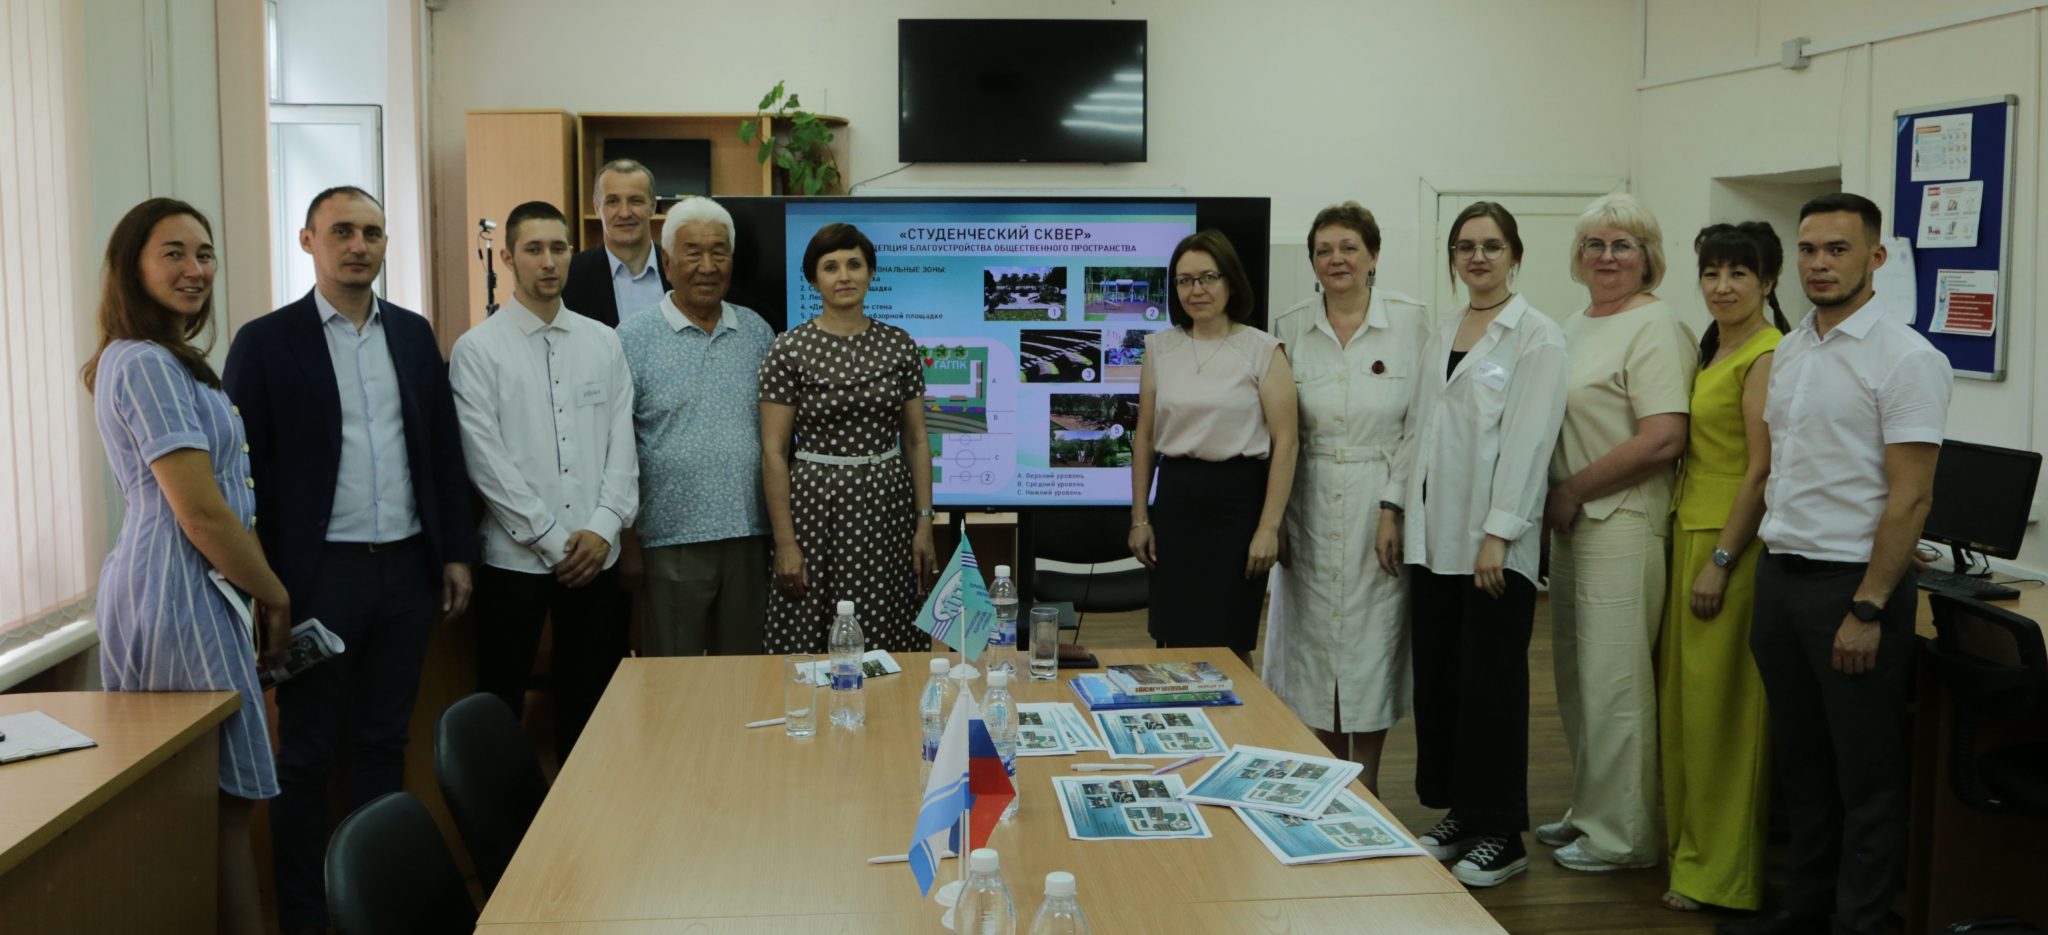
1203,516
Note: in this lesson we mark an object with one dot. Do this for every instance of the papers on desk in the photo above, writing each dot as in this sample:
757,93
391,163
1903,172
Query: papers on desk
1348,830
1275,781
32,734
874,663
1053,729
1100,808
1145,733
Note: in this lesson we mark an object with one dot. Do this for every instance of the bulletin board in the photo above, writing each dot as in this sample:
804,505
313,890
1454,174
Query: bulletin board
1952,200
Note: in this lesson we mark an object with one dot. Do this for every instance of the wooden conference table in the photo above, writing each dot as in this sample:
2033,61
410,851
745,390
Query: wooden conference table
671,818
123,836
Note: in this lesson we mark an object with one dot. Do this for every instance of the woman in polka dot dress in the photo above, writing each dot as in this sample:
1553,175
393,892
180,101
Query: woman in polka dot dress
850,496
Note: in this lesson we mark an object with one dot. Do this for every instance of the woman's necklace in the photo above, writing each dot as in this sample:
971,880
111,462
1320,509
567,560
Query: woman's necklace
1488,308
1195,352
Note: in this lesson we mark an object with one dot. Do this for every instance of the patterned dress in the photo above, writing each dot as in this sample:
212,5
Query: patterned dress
163,625
854,523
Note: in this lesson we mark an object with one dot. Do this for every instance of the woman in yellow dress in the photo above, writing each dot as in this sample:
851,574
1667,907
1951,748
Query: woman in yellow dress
1710,699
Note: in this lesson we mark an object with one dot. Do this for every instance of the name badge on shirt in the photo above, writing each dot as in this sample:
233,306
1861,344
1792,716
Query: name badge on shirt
1491,375
591,394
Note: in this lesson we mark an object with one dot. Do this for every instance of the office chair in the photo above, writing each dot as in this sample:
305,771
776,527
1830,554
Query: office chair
389,873
1994,664
490,779
1087,536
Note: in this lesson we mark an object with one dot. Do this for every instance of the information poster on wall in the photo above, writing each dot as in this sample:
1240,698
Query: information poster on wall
1030,322
1941,147
1949,214
1965,302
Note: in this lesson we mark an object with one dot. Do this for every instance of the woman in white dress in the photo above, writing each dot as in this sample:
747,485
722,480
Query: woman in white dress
1336,638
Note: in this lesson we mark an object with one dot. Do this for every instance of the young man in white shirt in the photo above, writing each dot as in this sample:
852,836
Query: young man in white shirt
1857,407
546,408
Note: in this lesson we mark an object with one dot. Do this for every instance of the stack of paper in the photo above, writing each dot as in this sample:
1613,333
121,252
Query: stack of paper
1348,830
1104,809
1274,781
1145,733
1053,729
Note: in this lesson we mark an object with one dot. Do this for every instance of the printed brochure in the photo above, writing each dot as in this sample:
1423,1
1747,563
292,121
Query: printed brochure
874,663
1053,729
1149,733
1348,830
1101,808
1275,781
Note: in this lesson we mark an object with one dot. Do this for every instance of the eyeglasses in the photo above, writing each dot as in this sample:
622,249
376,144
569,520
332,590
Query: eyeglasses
1207,280
1492,249
1591,248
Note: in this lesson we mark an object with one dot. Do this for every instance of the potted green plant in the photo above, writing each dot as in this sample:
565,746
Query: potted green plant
804,153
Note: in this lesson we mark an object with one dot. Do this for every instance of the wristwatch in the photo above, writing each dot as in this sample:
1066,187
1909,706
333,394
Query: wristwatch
925,514
1391,505
1865,611
1722,559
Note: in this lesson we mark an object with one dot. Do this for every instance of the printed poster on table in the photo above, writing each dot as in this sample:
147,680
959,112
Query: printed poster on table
1147,733
1949,214
1275,781
1139,807
1053,729
1348,830
1965,302
1941,147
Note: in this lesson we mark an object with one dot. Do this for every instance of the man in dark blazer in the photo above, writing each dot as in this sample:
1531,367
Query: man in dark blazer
611,282
362,504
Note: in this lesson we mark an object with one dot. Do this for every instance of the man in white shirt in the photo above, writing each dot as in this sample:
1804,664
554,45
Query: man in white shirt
1856,412
546,408
611,282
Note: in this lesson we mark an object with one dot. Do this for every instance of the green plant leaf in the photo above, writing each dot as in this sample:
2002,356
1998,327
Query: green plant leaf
784,159
805,119
792,103
767,147
773,96
747,131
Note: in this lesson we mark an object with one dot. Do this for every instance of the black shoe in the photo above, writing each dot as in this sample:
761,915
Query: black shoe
1448,840
1492,860
1775,922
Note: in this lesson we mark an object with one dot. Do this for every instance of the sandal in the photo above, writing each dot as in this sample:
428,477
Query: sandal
1679,902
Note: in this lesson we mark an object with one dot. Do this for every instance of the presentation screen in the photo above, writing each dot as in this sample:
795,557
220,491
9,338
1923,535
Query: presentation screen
1030,317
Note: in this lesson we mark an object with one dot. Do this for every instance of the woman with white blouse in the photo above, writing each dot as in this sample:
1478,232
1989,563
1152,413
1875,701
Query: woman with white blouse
1468,521
1216,406
1626,410
1337,636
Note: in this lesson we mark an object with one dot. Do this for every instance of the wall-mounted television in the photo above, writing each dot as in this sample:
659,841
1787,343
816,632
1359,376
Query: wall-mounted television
1030,313
1008,90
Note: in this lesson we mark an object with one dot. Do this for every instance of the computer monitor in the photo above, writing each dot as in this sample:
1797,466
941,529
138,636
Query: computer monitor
1982,495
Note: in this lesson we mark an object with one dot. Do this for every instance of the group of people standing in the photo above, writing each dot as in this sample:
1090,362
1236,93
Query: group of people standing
1728,524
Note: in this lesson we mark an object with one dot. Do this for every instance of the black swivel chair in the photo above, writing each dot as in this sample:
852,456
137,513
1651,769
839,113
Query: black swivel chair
1995,666
1087,536
490,780
389,873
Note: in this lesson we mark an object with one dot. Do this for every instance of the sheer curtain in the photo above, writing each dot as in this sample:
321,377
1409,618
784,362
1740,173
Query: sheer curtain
48,461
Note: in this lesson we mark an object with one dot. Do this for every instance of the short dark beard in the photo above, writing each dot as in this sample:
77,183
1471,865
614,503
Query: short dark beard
1845,298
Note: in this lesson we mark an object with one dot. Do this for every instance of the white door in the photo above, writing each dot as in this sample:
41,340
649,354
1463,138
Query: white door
314,147
1547,223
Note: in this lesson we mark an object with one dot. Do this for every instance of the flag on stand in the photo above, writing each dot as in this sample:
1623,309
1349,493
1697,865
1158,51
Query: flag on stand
967,779
958,612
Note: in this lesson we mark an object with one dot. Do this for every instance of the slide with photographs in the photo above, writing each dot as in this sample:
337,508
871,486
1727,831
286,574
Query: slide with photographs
1150,733
1053,729
1348,830
1274,781
1030,320
1125,809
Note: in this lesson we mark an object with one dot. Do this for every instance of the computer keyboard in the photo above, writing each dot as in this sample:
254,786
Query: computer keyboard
1966,586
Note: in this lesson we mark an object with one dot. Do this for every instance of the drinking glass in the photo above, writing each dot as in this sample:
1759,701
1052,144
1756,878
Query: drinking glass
1045,643
799,696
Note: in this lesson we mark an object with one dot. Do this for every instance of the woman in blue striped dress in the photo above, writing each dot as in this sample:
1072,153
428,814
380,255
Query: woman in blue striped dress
177,450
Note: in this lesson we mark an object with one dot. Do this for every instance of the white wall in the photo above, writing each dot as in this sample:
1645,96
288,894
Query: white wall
1305,101
1836,117
332,51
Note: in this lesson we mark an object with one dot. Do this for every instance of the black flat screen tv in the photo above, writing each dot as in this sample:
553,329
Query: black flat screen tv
1004,90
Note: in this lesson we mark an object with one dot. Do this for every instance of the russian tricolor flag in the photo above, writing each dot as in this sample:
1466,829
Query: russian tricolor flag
967,778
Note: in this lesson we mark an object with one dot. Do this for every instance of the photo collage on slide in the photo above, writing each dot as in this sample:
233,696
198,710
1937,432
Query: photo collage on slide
1030,322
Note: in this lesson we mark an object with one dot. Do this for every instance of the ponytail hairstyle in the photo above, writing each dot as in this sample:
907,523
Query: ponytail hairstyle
127,312
1752,245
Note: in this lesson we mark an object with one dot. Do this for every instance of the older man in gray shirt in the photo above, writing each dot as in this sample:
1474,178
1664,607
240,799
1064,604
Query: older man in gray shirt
703,529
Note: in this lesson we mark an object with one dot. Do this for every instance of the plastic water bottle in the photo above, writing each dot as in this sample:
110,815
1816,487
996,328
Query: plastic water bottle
999,711
984,907
934,705
1060,914
849,709
1002,644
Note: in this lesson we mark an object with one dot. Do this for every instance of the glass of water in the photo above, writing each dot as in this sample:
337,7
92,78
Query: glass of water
799,695
1045,643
